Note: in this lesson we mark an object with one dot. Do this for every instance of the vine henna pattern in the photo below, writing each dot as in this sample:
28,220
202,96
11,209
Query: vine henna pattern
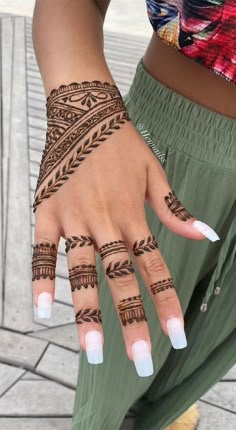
145,245
120,268
176,207
88,315
83,275
131,309
80,116
44,260
112,248
159,286
73,241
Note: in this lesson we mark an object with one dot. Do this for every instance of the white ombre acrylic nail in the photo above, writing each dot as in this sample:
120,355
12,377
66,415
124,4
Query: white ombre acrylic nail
142,358
44,305
206,230
93,345
176,333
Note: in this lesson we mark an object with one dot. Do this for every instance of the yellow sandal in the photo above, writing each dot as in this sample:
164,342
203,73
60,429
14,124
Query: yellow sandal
187,421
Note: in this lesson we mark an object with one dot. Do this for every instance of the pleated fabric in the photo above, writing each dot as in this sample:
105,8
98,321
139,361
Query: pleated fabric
197,149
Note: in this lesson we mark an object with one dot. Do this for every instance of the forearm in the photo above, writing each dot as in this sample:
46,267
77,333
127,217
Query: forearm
68,41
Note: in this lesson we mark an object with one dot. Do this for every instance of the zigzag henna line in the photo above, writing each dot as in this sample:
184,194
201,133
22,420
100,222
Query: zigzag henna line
44,260
140,247
73,241
84,276
88,315
120,268
112,248
160,286
176,207
131,309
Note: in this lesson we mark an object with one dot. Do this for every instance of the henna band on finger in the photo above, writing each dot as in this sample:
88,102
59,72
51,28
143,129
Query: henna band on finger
131,309
148,245
73,241
88,315
112,248
80,116
176,207
44,260
84,275
160,286
120,268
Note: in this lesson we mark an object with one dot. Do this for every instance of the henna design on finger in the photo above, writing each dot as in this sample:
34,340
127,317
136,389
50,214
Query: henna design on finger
80,116
84,275
74,241
120,268
112,248
44,260
131,309
159,286
88,315
140,247
176,207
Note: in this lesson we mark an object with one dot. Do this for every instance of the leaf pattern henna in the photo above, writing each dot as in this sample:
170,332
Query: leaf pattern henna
176,207
73,241
120,268
88,315
44,260
79,117
145,245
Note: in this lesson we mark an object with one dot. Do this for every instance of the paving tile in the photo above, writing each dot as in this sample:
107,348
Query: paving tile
231,374
63,290
8,375
19,349
59,364
61,314
35,423
46,398
63,336
212,418
222,394
31,376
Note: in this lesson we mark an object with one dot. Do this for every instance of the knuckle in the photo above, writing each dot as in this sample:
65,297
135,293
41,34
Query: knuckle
168,298
153,264
125,281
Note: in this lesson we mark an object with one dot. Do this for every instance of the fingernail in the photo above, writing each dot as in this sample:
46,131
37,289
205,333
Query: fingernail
44,305
206,230
142,358
176,333
93,343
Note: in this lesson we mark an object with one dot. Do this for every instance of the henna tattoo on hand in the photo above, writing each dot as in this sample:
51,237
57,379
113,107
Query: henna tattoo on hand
88,315
120,268
176,207
112,248
80,116
140,247
159,286
44,260
131,309
84,275
74,241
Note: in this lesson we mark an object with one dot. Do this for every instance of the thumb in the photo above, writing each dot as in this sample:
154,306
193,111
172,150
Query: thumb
170,210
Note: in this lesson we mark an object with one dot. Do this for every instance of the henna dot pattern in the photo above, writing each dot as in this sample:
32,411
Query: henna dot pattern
83,275
158,287
80,116
176,207
44,260
147,245
112,248
131,309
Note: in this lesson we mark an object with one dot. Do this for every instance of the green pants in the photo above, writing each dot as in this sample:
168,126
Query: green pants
197,149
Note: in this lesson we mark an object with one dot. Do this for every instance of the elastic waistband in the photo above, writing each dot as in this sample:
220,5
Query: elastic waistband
181,123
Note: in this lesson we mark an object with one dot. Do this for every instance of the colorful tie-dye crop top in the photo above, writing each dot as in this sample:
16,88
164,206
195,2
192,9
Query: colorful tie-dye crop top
204,30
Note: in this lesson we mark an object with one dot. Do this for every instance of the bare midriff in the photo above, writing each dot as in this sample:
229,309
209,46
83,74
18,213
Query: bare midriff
184,76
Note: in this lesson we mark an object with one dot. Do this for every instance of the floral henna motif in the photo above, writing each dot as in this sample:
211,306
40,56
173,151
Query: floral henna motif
120,268
88,315
44,261
84,275
159,286
74,241
131,309
79,117
112,248
149,245
176,207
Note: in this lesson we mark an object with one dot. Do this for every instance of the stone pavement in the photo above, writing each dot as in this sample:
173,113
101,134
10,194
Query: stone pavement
39,359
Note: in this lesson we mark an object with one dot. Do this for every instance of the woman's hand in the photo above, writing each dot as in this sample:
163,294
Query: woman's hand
100,207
